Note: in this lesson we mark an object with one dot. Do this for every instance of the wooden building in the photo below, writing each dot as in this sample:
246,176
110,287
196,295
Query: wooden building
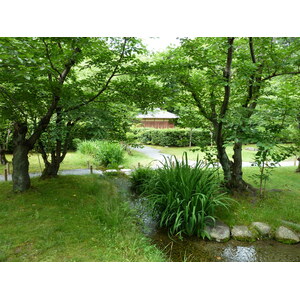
157,119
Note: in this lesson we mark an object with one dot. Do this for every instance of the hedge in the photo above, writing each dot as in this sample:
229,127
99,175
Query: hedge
176,137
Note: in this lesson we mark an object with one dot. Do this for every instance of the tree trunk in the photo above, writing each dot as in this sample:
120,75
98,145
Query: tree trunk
298,169
58,153
236,182
3,160
20,176
51,169
190,137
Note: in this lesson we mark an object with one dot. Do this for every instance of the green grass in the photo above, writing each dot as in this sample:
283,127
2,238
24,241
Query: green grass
132,161
248,155
277,206
76,160
70,218
73,160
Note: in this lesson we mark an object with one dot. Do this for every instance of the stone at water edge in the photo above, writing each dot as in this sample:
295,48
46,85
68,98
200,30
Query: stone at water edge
126,171
242,233
220,232
263,229
286,236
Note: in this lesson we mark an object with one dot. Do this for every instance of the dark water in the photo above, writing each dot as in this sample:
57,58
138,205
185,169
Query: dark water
198,250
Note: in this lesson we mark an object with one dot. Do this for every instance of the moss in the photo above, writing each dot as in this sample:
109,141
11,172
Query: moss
287,241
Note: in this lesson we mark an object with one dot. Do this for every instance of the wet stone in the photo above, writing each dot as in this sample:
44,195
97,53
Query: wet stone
287,236
263,229
220,232
126,171
242,233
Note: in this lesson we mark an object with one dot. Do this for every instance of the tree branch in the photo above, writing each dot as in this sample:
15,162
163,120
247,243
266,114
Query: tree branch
49,58
227,75
107,82
280,74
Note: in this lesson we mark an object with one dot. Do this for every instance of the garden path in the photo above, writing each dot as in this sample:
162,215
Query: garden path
157,155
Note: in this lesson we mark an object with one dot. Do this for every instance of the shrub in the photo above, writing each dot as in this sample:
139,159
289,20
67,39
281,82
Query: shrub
140,177
107,154
184,198
176,137
88,147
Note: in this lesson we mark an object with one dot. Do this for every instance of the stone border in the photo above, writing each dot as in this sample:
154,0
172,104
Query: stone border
256,231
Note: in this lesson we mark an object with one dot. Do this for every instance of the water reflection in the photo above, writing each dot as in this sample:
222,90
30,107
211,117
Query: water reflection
239,254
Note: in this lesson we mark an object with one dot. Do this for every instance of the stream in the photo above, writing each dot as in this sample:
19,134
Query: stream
193,249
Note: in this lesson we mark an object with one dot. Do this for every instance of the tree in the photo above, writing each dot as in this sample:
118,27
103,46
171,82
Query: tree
40,78
225,79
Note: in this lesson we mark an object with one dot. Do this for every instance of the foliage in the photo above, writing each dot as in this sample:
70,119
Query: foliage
226,80
140,178
267,158
88,147
184,198
110,154
105,153
177,137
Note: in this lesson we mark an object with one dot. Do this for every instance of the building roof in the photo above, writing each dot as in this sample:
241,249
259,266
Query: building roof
157,114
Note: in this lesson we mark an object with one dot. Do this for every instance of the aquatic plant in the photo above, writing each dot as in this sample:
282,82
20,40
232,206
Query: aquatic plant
183,198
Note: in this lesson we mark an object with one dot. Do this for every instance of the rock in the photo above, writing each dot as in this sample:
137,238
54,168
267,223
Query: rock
242,233
286,236
126,171
120,167
263,229
220,232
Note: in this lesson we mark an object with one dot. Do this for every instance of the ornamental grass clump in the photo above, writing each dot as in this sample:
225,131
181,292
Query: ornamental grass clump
140,178
88,147
110,154
106,153
184,198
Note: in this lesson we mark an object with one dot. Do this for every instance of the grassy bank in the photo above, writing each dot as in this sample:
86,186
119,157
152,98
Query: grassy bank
70,218
282,201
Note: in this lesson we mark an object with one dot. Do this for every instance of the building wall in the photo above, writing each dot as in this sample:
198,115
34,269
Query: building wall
157,123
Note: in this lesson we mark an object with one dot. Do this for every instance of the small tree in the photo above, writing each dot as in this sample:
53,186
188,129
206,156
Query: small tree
267,158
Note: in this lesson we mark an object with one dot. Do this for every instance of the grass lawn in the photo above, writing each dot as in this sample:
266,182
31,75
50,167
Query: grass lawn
277,206
76,160
132,161
70,218
248,155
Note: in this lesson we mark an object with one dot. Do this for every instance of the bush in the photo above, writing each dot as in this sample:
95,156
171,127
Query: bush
184,198
88,147
176,137
110,154
140,177
107,154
